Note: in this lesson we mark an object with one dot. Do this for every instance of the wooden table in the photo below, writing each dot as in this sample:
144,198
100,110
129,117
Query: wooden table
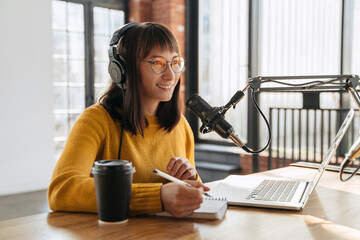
332,212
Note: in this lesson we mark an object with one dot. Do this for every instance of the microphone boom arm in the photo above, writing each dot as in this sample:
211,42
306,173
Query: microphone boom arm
337,83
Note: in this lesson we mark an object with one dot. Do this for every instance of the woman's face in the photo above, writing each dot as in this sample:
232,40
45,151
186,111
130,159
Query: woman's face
155,87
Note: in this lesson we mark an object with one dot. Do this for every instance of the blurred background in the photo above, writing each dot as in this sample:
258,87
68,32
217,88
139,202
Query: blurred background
53,64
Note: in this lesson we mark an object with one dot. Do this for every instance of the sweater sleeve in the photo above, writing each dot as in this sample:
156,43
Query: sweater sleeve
72,188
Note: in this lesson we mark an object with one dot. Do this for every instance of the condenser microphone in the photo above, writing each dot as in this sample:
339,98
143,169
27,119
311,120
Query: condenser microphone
213,119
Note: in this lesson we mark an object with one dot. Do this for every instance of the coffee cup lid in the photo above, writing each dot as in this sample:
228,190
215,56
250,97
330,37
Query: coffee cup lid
112,166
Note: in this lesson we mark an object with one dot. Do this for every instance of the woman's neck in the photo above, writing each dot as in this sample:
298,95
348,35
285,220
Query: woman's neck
150,108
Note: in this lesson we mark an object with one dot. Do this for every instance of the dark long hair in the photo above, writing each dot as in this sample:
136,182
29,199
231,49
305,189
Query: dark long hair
137,44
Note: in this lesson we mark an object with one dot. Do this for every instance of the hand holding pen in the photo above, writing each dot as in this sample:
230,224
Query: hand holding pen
181,199
173,179
181,168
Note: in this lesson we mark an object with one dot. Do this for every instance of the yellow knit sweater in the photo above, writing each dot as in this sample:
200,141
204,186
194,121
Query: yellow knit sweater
96,136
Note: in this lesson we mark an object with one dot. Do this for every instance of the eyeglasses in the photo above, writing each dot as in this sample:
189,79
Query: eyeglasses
158,64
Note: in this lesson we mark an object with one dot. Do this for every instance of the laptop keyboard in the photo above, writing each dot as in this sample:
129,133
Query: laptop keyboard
275,190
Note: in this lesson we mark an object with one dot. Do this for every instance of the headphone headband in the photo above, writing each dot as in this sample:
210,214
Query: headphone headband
121,32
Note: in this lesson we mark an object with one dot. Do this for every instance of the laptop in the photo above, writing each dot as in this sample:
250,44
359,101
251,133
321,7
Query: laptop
279,193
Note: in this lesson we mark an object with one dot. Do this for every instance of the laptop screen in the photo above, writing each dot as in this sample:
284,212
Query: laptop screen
334,145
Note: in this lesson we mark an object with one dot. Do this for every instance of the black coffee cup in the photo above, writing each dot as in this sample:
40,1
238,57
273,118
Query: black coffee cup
113,179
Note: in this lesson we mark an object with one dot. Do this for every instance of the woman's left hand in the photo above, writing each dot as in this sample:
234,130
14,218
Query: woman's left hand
181,169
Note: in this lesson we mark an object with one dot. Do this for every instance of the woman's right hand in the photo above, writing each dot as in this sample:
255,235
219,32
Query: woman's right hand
180,200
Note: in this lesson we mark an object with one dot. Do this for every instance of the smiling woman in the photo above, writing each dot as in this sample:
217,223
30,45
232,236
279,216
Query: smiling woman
141,123
157,79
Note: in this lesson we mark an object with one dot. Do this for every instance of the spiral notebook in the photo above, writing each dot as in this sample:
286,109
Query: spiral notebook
211,208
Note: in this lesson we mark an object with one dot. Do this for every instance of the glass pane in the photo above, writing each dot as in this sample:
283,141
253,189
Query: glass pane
60,70
101,72
59,146
117,19
61,125
77,97
60,98
69,66
356,39
77,71
101,21
223,51
72,119
300,37
59,44
76,45
281,100
99,91
101,45
76,17
330,100
59,15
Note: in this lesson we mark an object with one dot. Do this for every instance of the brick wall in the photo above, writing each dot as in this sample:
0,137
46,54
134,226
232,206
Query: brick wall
168,12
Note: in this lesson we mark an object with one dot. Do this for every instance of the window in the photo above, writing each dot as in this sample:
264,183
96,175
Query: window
80,63
106,21
223,57
68,66
300,37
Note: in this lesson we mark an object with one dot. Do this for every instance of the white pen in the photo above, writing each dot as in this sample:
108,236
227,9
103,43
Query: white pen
171,178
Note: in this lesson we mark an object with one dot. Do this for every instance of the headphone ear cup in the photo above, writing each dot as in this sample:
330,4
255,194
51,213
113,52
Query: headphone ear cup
116,67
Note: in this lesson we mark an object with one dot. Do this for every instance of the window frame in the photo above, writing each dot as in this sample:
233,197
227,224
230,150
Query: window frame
89,49
89,38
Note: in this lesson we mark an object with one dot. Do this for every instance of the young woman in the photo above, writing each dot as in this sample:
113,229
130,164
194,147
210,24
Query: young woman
142,124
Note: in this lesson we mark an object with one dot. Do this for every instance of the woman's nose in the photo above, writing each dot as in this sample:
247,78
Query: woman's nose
169,73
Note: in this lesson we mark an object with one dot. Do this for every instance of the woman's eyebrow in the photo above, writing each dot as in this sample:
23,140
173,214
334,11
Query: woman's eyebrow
154,56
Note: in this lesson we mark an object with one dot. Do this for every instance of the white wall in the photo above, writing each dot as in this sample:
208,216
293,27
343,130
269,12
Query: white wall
26,97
